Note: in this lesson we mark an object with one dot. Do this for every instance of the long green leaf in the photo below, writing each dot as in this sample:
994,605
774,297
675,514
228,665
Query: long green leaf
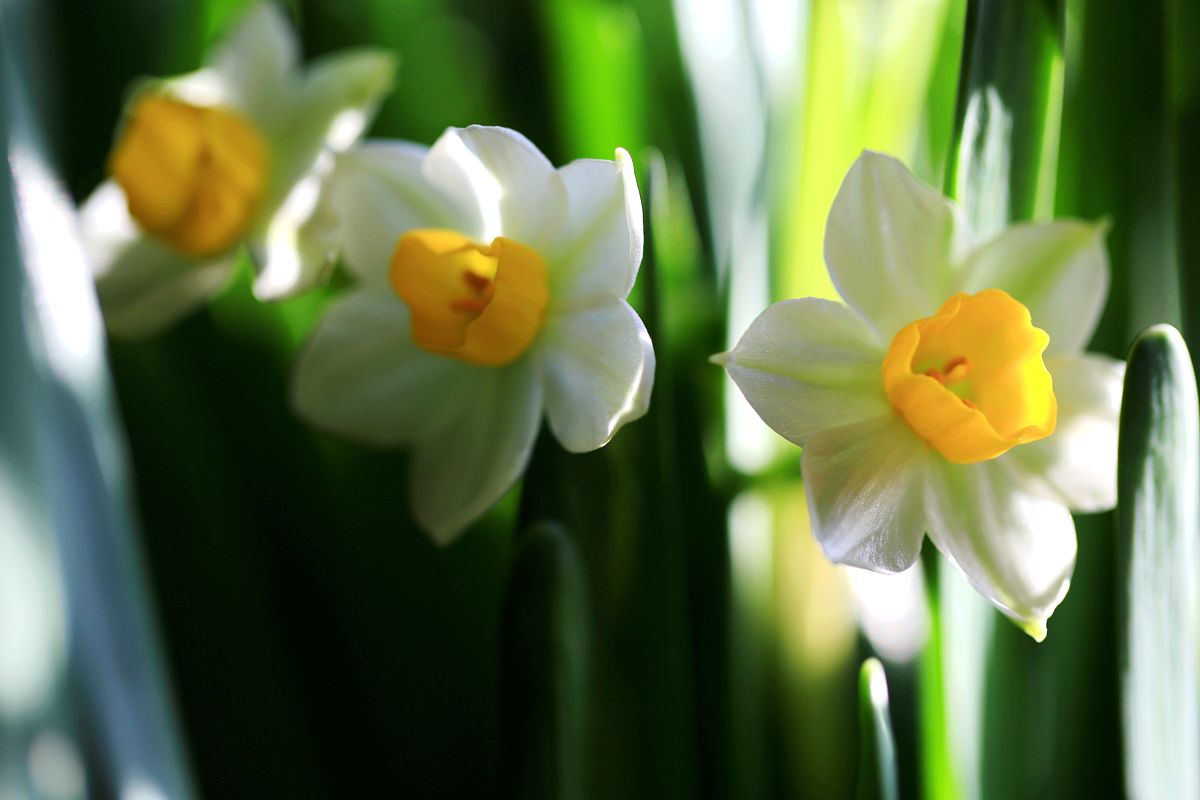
1009,111
1003,160
544,669
1183,26
1157,548
75,483
877,748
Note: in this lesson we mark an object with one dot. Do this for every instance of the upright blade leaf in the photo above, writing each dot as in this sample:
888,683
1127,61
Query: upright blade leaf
877,751
544,669
1001,166
1009,110
115,659
1159,528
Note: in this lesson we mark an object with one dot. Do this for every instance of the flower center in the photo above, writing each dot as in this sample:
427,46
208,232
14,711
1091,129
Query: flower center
482,304
970,380
193,176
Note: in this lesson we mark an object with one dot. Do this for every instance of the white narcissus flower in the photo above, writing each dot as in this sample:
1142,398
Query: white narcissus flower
234,153
930,404
491,288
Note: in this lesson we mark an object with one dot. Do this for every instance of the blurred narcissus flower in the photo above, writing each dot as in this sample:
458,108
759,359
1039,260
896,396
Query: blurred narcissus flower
491,288
236,152
950,395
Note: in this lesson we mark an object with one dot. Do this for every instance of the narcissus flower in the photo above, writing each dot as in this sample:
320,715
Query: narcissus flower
491,289
234,153
949,396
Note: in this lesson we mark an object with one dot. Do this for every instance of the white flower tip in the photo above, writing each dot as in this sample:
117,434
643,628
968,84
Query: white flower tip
442,535
875,157
633,206
264,26
1036,628
721,359
374,63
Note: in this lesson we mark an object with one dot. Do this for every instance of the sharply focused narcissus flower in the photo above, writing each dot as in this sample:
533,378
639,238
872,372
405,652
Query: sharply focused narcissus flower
949,395
234,153
491,288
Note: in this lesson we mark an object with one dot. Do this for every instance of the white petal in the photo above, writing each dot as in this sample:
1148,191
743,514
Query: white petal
1059,270
891,243
1014,545
472,428
297,250
865,484
341,93
381,192
507,183
600,247
143,285
254,61
809,364
1077,463
599,370
463,468
327,109
359,375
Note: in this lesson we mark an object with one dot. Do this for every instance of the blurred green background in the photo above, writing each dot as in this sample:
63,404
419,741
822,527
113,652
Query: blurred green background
320,646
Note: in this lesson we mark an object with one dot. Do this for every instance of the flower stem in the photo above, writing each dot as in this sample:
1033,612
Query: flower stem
937,771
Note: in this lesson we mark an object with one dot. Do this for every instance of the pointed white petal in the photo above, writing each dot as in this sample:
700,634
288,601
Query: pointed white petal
381,192
1015,546
334,102
359,375
461,469
1077,463
297,250
255,59
341,93
143,286
327,109
600,247
864,484
507,183
809,364
891,243
598,367
472,428
1059,270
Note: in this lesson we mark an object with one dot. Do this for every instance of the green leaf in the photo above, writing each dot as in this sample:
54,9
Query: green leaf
1158,531
67,537
1001,169
544,668
598,75
1009,110
1183,30
1119,103
877,748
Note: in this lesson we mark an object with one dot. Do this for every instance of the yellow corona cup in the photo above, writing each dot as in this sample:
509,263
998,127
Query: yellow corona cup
480,304
970,380
192,176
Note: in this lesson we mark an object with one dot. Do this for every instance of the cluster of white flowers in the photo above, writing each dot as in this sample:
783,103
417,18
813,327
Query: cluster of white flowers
491,287
949,397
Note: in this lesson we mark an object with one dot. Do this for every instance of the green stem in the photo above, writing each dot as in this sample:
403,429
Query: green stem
936,766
